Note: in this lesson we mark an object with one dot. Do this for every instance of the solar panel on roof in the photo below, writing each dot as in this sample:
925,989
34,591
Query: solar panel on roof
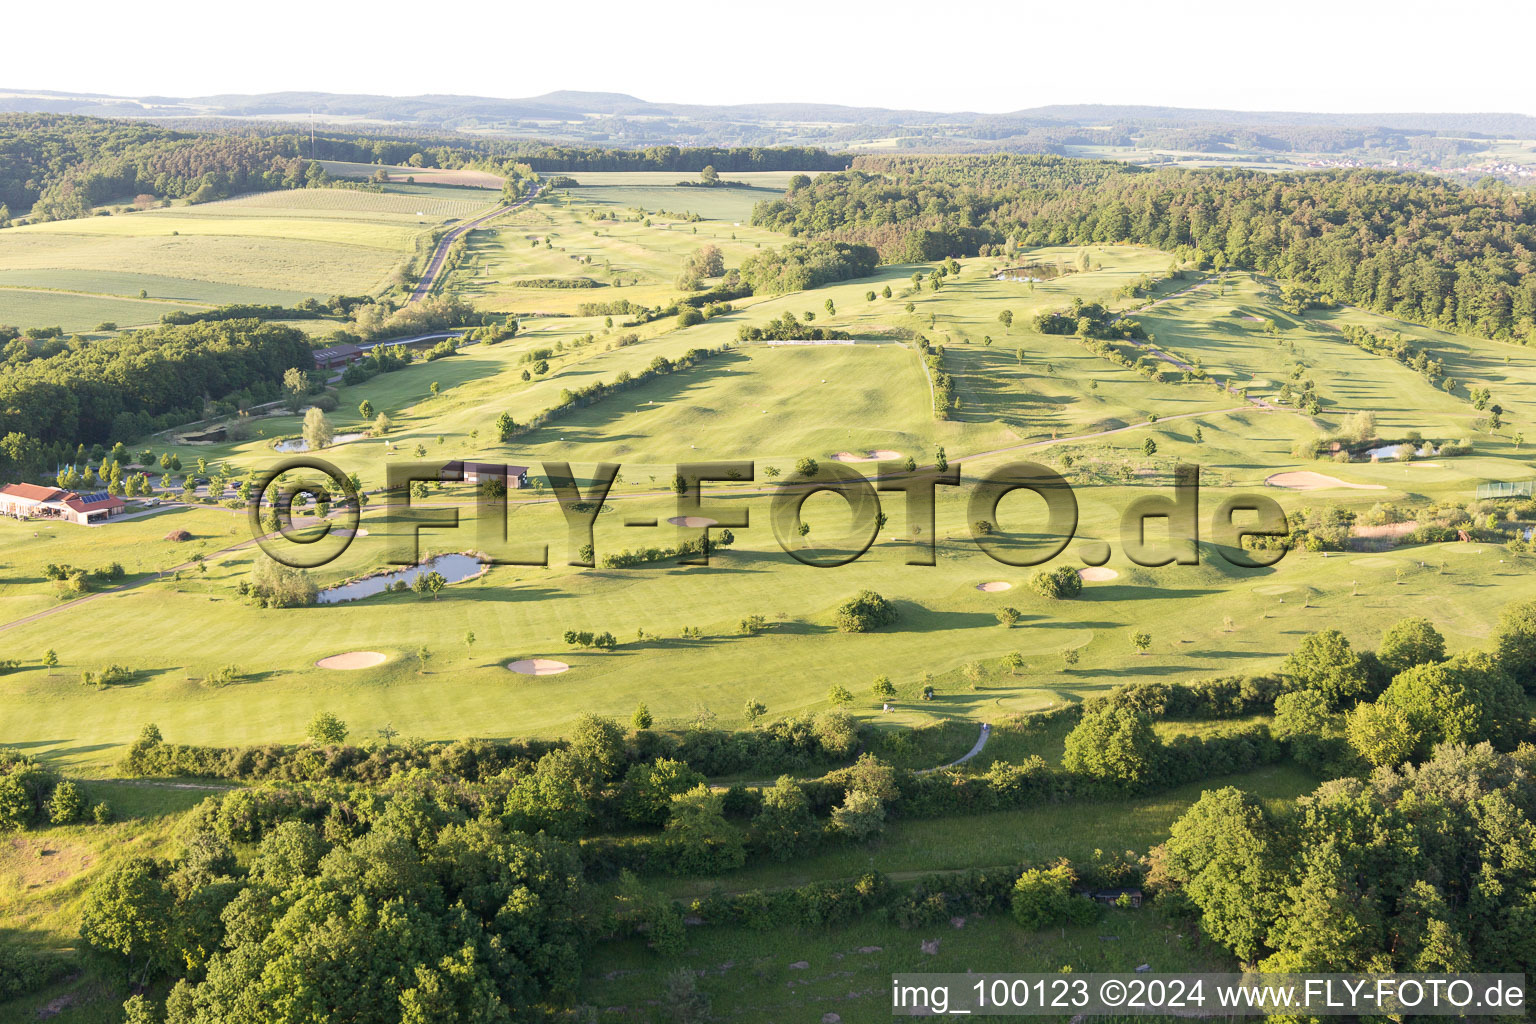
91,499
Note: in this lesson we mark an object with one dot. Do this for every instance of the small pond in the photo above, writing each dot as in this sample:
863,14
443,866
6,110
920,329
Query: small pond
1387,452
454,568
298,444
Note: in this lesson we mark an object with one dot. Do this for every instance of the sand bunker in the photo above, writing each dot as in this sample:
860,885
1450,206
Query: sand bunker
1306,480
1424,465
538,667
874,456
352,659
692,521
342,531
1097,574
997,586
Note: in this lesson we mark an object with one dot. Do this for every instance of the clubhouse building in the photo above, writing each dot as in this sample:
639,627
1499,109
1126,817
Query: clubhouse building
29,501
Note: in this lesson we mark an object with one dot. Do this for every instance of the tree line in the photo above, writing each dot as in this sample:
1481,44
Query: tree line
137,382
1412,246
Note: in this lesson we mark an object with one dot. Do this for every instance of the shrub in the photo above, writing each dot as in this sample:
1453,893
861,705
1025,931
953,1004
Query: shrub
1058,584
865,612
1115,745
68,804
1043,897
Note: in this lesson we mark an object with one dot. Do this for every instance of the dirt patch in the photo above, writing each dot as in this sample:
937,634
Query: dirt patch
54,1007
538,667
995,587
1097,574
1306,480
694,522
31,863
874,456
438,176
352,660
1385,529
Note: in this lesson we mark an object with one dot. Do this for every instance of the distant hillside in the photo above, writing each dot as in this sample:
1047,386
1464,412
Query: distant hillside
435,110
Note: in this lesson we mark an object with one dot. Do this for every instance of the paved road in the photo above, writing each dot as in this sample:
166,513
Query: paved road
435,265
981,741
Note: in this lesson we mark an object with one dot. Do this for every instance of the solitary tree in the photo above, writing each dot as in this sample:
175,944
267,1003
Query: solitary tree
1006,319
641,719
884,689
317,429
325,727
1141,640
755,709
365,409
839,695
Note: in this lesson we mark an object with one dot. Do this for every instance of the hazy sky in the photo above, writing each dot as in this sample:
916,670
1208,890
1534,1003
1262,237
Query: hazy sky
1342,55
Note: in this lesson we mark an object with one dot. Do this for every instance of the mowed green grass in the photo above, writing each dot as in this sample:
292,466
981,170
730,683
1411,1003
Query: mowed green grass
272,247
78,313
128,283
629,259
748,975
771,405
178,633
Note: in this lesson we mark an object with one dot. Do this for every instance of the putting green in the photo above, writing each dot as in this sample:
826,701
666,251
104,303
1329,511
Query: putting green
1376,562
1273,588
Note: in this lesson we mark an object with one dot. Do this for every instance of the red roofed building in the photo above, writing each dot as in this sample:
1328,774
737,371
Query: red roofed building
29,501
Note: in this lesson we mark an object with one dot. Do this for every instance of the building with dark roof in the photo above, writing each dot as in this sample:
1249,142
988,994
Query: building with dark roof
336,356
474,472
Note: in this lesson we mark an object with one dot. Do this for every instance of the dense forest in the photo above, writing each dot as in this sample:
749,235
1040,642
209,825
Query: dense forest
1411,246
62,166
54,391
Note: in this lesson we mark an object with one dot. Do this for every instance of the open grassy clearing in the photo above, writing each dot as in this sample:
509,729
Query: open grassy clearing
908,849
422,205
308,268
755,976
178,633
272,247
773,181
462,177
75,313
630,260
128,283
